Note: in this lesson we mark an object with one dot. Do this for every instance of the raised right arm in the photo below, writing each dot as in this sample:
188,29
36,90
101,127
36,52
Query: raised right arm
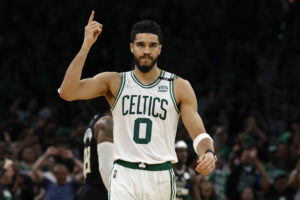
72,87
37,172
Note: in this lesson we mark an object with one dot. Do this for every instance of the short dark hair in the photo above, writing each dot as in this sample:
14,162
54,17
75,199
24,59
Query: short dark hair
146,26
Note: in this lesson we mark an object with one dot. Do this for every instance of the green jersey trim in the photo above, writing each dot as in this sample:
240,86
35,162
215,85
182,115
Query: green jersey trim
120,90
172,93
162,73
172,189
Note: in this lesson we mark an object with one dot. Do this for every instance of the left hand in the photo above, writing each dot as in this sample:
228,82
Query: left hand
206,163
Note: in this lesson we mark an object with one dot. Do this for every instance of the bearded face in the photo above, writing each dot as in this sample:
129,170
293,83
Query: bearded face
146,49
145,63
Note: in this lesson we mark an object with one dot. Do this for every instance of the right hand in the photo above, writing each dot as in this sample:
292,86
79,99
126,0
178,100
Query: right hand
92,30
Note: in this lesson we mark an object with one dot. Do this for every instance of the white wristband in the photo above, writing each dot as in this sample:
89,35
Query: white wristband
199,138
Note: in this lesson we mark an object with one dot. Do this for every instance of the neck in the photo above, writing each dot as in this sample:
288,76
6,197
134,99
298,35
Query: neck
149,77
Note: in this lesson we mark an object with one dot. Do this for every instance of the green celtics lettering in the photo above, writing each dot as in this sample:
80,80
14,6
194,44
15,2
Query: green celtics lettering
145,105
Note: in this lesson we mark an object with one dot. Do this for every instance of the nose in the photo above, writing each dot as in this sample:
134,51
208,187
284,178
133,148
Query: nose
146,50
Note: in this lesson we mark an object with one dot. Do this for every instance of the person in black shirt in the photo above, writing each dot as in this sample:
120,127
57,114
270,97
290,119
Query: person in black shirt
280,189
98,158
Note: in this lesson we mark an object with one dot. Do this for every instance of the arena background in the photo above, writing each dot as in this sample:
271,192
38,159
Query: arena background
242,58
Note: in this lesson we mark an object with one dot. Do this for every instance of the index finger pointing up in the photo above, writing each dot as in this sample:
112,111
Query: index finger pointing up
91,17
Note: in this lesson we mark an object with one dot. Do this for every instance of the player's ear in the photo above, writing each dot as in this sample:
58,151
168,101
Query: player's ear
131,47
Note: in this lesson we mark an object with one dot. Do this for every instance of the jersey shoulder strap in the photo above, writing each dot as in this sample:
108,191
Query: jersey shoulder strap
94,121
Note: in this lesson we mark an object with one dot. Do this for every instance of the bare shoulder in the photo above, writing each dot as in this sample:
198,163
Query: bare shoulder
104,122
104,129
181,83
182,89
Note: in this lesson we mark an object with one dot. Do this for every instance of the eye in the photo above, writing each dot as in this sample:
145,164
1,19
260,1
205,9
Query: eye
139,44
153,45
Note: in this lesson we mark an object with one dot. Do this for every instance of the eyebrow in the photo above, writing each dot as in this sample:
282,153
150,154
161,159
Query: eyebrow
142,42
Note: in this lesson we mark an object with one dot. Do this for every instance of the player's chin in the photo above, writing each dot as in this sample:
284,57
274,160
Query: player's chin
145,63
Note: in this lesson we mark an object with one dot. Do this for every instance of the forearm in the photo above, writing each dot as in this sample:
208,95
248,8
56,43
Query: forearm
265,181
260,168
36,169
78,163
37,165
196,131
204,145
73,74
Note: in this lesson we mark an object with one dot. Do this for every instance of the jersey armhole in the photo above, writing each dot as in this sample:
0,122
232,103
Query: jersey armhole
120,90
172,93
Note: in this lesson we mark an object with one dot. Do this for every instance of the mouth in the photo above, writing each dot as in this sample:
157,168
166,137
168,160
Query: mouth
146,58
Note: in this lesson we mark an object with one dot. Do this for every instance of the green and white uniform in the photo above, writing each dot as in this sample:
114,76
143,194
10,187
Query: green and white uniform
145,123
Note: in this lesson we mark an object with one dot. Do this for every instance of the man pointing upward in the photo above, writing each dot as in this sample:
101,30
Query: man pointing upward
146,104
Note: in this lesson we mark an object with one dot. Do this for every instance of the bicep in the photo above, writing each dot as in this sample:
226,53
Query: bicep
188,108
94,87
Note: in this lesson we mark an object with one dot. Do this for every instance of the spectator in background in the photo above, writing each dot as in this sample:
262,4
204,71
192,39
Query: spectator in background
219,178
294,179
28,117
4,151
281,189
248,194
283,155
14,185
27,159
48,167
221,140
243,175
272,165
277,124
67,189
185,178
206,189
252,135
294,140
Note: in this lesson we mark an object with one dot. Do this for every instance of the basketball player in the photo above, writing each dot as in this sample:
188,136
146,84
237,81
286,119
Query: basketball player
98,156
185,178
146,104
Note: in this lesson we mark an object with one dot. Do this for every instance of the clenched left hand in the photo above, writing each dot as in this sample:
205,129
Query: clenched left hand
206,163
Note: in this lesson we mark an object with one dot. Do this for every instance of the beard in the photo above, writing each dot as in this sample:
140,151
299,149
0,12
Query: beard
144,68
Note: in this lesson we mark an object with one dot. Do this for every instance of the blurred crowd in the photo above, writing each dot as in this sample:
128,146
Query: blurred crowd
241,57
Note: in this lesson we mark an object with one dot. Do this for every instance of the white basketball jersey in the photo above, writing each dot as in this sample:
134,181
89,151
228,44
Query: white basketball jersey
145,120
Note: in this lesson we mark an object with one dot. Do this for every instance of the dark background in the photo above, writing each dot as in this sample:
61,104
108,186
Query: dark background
242,58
